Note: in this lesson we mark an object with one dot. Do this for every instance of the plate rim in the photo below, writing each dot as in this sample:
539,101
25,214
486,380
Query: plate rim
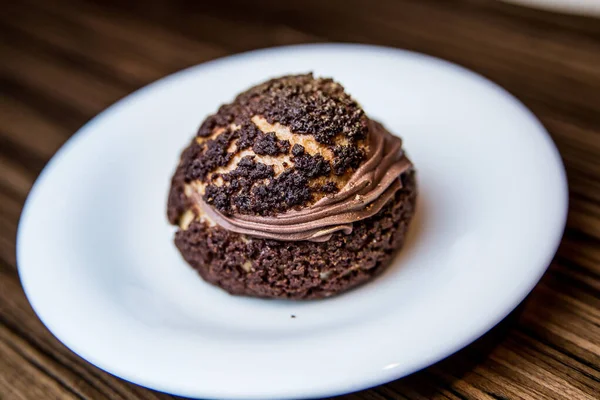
588,9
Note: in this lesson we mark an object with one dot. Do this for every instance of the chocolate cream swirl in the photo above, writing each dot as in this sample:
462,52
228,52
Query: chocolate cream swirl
370,187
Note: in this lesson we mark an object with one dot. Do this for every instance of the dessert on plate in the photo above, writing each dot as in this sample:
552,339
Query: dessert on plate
291,191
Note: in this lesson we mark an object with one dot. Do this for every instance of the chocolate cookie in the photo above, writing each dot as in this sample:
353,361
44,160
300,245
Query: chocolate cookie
291,191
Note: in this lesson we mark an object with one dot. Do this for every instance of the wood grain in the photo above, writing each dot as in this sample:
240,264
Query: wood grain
65,61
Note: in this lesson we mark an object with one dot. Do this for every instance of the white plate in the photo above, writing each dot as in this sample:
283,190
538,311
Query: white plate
583,7
98,265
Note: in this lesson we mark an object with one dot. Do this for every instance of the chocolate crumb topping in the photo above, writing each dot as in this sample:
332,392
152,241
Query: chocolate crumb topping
247,135
346,158
291,108
244,195
237,191
250,169
200,159
312,166
297,150
268,144
225,115
282,193
329,187
308,105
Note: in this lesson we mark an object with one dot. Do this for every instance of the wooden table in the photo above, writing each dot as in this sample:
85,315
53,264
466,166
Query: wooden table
63,62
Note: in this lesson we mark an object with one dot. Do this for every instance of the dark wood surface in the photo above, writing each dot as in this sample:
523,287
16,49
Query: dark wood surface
62,62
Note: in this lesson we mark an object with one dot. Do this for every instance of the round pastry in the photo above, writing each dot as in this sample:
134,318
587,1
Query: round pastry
291,191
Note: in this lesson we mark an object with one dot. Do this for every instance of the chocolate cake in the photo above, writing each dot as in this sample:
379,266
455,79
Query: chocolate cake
291,191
